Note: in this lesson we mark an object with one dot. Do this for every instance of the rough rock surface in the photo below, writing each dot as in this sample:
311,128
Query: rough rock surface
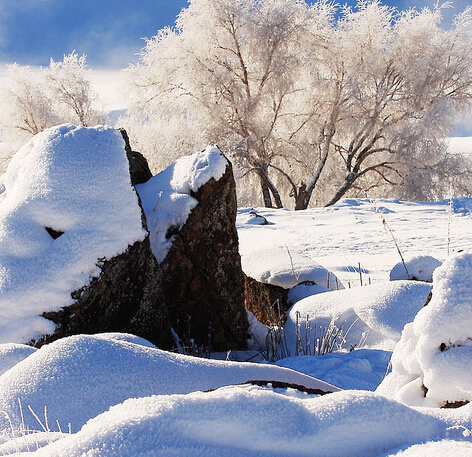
263,300
198,290
203,278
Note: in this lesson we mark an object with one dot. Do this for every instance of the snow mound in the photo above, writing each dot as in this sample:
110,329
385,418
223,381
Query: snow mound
374,314
435,350
81,376
66,201
419,268
441,448
362,369
12,353
286,267
167,197
249,421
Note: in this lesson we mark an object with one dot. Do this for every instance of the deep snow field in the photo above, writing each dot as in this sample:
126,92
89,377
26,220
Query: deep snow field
118,395
160,403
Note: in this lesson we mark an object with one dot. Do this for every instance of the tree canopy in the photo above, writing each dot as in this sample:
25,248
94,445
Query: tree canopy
308,99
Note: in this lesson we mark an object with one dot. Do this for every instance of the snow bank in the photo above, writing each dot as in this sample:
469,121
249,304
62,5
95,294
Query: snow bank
249,421
441,448
12,353
419,268
81,376
167,197
286,267
375,314
66,179
435,350
362,369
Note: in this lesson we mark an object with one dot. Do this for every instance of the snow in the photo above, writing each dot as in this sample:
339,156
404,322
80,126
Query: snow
286,267
419,268
249,421
167,199
79,377
73,180
12,353
351,234
435,349
123,396
374,315
362,369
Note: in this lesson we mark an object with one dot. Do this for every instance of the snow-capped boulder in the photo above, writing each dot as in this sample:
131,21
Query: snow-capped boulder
272,272
431,362
419,268
66,201
191,215
75,255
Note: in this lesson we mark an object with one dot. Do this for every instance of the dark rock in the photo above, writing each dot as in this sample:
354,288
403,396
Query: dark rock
138,167
265,301
126,297
203,278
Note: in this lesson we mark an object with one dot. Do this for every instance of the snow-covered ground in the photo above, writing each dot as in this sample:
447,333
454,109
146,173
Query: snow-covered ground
118,395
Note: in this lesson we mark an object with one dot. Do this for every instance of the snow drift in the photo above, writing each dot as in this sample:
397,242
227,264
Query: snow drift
79,377
431,362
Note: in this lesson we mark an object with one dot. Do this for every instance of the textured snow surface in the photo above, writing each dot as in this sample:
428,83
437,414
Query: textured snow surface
78,377
249,421
362,369
12,353
419,268
73,180
286,267
374,314
435,350
351,233
167,199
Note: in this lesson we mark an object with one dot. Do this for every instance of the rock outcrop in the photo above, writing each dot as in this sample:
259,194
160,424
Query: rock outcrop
265,301
196,292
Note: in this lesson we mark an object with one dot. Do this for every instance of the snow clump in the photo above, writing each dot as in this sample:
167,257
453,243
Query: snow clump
167,197
431,362
66,201
419,268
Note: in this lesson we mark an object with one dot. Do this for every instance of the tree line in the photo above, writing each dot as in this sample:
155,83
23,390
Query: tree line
311,101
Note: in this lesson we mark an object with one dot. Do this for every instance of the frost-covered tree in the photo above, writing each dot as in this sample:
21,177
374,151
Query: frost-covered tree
309,99
34,100
71,91
229,71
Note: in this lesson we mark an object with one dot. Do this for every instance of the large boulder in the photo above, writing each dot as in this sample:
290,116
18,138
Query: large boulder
202,279
190,283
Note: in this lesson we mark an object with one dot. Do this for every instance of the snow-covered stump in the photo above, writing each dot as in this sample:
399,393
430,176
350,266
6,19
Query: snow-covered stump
431,362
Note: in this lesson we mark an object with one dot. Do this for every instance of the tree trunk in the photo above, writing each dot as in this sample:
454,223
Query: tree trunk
265,194
268,188
300,198
346,185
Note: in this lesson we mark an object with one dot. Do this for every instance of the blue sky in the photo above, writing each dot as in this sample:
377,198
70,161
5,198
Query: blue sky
109,33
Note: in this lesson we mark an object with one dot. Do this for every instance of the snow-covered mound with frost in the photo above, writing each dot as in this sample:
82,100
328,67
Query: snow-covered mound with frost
167,199
81,376
419,268
250,421
431,363
12,353
374,315
284,267
65,201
